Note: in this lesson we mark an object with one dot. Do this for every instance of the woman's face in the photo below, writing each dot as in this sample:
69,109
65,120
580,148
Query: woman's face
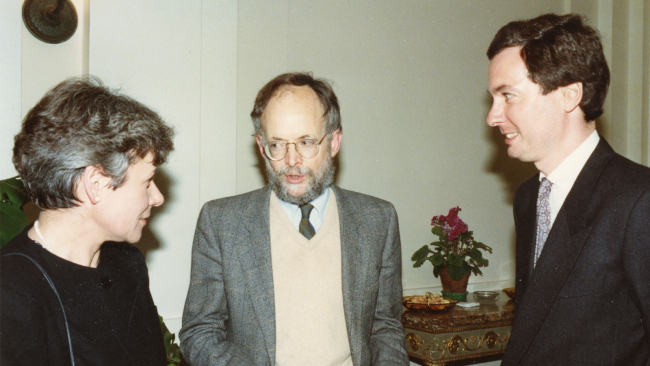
124,211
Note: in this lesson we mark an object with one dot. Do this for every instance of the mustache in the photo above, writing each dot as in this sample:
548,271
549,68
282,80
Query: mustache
287,170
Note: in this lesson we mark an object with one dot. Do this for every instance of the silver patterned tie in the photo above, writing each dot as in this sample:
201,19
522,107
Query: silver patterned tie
543,216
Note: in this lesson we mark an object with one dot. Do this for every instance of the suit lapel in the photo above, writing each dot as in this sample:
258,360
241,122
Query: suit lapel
353,266
255,259
562,248
526,221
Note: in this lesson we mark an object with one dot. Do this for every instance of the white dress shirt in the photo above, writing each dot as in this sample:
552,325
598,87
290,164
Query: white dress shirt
564,176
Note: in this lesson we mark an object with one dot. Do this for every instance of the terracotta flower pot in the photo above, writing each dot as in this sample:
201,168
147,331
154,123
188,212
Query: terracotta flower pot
452,286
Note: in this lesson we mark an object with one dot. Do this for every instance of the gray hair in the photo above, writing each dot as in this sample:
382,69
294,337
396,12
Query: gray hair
81,123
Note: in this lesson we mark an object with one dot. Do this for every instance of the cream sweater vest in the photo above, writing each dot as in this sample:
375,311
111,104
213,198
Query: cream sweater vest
309,319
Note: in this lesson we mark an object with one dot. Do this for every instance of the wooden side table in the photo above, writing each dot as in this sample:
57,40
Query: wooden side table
458,334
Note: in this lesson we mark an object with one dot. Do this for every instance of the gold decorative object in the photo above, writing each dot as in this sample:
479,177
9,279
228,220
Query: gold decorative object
436,338
414,303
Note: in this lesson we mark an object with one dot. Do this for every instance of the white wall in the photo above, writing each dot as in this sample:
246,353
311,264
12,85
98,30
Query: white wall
410,76
179,59
10,88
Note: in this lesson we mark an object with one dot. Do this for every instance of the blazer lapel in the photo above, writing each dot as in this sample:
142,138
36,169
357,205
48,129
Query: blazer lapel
255,259
561,250
353,267
526,224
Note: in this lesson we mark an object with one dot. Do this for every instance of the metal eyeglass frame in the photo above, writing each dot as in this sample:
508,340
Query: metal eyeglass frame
286,149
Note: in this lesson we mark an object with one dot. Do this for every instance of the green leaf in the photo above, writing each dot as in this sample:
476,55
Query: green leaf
421,254
419,263
440,244
12,199
478,244
436,271
12,222
437,259
437,230
13,191
476,254
455,260
457,273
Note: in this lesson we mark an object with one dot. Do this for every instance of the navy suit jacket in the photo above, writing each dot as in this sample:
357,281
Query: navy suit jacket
587,302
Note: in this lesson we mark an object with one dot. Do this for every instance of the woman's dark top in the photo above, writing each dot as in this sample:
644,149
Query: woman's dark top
111,316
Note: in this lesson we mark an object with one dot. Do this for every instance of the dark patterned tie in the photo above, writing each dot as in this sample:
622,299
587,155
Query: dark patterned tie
543,216
305,227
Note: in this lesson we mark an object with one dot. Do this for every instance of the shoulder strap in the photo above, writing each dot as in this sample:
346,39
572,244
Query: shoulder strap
49,281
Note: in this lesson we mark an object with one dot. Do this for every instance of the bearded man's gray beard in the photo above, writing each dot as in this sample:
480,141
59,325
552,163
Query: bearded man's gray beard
319,180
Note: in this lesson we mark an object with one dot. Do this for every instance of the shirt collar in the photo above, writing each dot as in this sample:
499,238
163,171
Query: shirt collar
319,203
567,172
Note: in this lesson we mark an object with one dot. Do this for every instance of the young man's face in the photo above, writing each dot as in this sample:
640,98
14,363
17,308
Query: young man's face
531,122
292,115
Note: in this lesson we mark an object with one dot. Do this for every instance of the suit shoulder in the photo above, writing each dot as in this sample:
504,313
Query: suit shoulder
362,200
624,180
235,201
629,172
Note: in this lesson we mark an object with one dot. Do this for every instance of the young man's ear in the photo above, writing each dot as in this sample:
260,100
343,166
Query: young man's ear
93,183
572,96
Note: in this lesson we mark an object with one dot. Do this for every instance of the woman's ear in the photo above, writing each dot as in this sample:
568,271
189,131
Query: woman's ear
92,184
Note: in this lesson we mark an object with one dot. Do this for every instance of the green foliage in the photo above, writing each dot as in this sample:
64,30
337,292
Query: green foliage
420,256
12,218
172,350
437,231
457,272
437,259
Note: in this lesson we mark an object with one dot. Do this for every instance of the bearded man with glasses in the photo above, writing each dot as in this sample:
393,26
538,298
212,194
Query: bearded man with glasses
300,272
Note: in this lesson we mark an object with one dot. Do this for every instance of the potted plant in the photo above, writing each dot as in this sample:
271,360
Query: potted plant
454,256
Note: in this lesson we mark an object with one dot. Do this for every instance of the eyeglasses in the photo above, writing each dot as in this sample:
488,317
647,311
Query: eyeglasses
307,148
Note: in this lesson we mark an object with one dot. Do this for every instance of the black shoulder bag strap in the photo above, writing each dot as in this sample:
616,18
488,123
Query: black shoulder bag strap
49,281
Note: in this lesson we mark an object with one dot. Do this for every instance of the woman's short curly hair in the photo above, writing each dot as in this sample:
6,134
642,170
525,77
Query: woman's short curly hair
81,123
559,50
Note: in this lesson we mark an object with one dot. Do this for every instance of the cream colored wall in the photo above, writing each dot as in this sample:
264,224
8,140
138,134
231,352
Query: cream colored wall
411,78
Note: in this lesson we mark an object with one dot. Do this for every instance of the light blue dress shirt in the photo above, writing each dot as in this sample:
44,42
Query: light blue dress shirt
317,215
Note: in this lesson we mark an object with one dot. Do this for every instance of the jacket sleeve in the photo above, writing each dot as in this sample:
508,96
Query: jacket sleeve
387,339
203,335
636,258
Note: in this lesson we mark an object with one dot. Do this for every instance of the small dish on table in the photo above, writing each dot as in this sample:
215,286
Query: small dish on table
486,297
428,302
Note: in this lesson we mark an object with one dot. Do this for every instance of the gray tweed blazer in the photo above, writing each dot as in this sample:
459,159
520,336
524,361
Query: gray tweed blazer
229,316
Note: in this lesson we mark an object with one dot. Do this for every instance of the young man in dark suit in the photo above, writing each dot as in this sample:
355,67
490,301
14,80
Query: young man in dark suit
583,223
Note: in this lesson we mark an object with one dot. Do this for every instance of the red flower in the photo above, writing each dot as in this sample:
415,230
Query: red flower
457,230
452,217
